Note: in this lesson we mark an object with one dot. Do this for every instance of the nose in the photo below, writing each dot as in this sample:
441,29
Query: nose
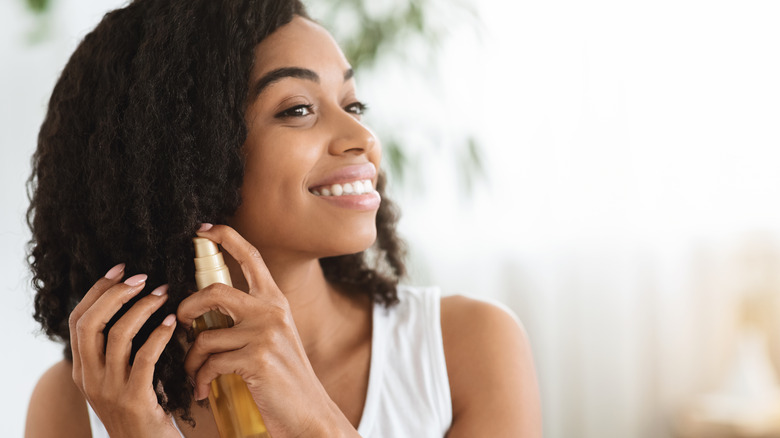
351,136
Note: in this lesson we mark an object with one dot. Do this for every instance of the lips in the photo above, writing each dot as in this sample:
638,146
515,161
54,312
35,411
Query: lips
345,175
349,187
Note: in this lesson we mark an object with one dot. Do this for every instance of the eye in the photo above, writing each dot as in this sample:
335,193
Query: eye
357,108
296,111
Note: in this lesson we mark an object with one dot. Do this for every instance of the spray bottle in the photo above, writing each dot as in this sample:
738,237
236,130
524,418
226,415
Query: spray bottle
234,409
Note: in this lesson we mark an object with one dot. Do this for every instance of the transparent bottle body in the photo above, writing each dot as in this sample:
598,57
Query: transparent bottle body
234,409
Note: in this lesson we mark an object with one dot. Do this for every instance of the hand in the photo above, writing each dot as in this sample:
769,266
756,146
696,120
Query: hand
263,347
121,395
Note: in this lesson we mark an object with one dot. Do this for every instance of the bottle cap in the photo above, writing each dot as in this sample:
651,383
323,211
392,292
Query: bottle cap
204,247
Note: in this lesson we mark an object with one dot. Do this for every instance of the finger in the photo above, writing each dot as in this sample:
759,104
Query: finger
142,371
252,264
120,338
215,366
92,323
211,342
220,297
112,277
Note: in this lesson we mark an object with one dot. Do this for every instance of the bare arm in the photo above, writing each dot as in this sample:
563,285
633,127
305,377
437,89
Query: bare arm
491,371
57,407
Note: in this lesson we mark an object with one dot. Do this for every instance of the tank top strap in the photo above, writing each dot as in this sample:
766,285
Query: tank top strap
380,323
408,391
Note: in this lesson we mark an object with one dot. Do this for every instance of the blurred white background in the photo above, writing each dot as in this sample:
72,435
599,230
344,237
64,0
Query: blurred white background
632,200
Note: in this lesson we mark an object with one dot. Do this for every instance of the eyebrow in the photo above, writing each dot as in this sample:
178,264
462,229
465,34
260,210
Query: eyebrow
291,72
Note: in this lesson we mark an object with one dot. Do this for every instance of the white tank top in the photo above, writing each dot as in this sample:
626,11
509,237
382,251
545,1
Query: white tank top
408,387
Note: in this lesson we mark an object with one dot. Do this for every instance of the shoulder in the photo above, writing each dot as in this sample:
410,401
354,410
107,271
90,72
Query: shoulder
470,325
57,407
491,370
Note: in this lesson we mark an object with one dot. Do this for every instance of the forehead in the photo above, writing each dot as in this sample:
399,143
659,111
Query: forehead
299,43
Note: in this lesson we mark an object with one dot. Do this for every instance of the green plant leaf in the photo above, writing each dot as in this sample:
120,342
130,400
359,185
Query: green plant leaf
38,6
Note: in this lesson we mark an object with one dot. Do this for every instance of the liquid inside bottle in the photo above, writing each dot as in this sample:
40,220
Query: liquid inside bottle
234,409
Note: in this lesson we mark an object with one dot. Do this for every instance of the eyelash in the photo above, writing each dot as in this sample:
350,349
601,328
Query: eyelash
294,111
357,108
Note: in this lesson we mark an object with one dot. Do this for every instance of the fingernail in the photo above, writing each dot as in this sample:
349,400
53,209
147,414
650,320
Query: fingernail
205,227
135,280
115,272
161,290
169,320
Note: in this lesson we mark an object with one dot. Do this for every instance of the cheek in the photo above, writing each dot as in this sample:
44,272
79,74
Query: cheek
273,193
279,159
283,146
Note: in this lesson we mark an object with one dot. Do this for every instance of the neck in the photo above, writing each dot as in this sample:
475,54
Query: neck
320,311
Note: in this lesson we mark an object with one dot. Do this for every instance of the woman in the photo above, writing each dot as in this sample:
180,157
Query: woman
172,115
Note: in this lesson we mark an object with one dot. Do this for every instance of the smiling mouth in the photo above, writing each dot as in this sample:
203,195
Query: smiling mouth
359,187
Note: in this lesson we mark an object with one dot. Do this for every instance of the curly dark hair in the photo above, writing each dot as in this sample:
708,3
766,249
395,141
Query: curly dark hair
142,141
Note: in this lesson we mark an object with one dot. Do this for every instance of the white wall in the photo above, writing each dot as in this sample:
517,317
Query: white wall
632,152
634,185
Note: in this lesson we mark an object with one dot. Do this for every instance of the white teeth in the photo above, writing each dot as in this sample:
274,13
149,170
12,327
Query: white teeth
353,188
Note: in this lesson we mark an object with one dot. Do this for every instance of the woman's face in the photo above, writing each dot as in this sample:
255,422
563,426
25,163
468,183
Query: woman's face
305,135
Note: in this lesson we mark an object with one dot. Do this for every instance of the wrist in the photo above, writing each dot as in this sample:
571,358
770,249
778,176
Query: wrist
332,425
340,425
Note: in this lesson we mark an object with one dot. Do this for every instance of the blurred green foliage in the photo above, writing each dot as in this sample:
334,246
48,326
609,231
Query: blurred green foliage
38,6
378,34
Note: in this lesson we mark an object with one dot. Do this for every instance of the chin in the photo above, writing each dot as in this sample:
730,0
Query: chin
352,244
